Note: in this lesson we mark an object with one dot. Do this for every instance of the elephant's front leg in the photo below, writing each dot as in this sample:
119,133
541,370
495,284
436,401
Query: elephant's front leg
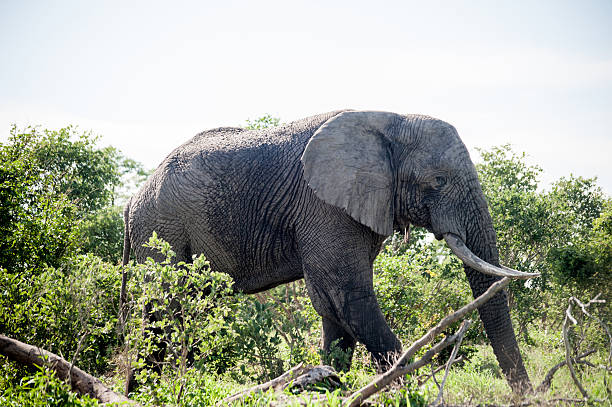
344,297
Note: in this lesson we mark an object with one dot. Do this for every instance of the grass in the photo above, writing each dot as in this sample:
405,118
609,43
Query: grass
479,381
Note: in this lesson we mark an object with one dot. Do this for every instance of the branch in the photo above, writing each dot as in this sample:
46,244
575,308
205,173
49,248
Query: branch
74,357
289,375
422,379
460,334
398,369
568,359
82,382
545,385
566,327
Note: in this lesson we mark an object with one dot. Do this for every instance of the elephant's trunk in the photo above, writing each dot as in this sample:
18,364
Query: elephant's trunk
495,314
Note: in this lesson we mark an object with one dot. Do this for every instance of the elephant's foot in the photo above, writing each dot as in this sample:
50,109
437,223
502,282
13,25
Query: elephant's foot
384,360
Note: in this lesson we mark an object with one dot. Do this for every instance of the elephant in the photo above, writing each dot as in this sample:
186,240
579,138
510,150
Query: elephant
315,199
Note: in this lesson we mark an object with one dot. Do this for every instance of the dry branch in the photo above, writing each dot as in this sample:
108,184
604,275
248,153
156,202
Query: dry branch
289,375
545,385
464,327
422,379
81,382
316,374
569,318
400,368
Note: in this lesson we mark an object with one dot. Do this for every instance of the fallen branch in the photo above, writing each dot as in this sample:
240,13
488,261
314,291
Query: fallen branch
317,374
400,368
81,382
281,380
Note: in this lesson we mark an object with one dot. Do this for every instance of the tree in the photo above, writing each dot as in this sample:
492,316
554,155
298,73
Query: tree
49,182
542,231
55,192
262,122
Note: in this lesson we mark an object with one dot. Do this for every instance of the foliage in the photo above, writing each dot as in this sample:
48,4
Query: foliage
87,175
187,306
70,310
35,222
101,233
55,188
43,389
404,397
418,287
49,180
550,232
587,263
262,122
275,330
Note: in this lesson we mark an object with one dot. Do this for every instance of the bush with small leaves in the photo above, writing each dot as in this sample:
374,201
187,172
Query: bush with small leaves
43,389
188,307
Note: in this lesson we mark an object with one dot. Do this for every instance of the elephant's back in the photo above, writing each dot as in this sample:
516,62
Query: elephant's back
234,195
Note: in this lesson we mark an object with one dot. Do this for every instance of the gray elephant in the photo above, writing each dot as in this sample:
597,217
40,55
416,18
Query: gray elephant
315,199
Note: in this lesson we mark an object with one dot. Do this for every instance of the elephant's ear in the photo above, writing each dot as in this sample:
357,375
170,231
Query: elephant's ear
347,163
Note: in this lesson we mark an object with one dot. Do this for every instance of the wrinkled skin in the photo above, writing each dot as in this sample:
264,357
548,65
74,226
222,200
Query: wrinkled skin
315,199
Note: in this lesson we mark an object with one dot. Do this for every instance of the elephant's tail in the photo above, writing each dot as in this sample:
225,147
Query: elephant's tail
126,235
126,259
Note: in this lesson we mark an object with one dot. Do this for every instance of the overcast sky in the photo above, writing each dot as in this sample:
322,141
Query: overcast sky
149,75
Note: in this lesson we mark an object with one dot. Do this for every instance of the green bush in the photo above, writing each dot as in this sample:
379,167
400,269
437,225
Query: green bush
67,305
419,287
276,330
188,306
101,233
43,389
550,232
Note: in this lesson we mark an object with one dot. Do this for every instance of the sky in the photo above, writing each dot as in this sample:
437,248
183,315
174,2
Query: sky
148,75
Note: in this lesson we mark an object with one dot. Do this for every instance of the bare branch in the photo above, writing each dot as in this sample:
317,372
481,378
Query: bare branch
400,368
545,385
76,354
464,327
568,358
422,379
566,328
289,375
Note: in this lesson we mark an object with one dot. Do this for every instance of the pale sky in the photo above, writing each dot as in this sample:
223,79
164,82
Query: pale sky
148,75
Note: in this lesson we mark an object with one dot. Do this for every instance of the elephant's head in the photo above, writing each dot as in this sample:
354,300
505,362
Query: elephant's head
389,171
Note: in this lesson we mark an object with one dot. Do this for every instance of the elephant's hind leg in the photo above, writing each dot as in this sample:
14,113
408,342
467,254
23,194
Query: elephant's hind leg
338,345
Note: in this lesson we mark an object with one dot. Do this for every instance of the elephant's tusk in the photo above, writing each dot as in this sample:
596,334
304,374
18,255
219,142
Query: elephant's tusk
471,260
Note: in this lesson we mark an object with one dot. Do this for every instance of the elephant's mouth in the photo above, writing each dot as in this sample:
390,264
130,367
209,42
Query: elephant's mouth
471,260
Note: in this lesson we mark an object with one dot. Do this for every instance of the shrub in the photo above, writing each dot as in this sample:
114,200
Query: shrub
187,306
43,389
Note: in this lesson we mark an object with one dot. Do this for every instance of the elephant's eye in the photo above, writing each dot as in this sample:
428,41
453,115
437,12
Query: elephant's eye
440,182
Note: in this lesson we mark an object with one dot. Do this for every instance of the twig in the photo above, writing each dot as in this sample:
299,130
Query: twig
433,376
422,379
74,357
569,317
464,327
568,358
398,369
545,385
